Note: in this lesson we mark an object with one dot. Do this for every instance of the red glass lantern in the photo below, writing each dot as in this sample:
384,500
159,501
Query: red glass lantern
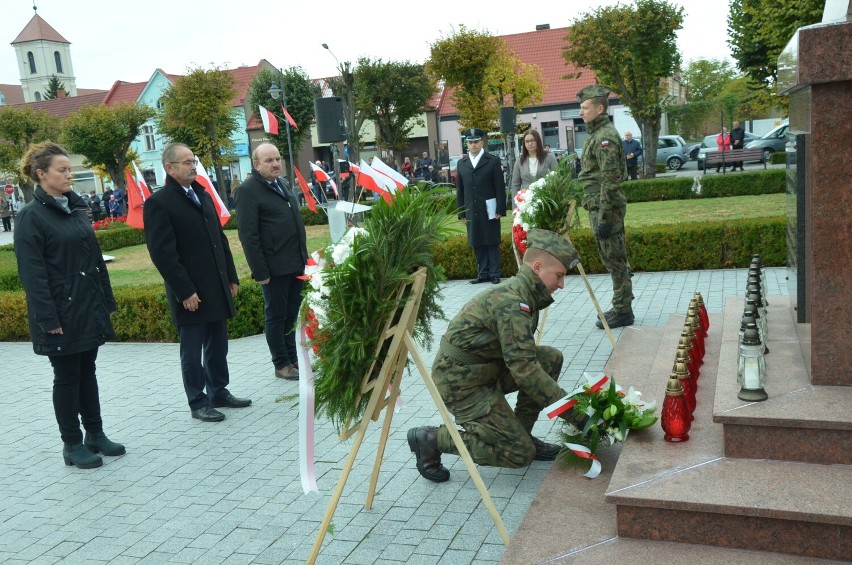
692,321
686,343
683,357
702,312
675,414
679,371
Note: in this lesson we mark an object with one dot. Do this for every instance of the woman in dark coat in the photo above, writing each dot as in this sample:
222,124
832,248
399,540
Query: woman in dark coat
69,299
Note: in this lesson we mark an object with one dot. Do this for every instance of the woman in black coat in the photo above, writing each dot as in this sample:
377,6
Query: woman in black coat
69,299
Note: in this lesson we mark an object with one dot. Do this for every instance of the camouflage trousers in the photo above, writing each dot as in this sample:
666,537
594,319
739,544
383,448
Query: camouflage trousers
493,433
613,252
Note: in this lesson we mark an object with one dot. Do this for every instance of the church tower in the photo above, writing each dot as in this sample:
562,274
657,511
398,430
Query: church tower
42,52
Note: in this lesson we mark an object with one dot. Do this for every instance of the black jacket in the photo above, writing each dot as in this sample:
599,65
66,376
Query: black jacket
271,229
473,188
191,252
64,276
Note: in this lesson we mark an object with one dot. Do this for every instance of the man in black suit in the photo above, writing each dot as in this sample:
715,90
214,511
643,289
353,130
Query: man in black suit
273,237
481,195
191,252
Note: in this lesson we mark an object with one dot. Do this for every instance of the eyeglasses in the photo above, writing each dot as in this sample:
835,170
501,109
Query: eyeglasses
187,163
529,141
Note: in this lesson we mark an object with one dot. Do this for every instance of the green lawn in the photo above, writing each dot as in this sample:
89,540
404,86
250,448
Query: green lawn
132,265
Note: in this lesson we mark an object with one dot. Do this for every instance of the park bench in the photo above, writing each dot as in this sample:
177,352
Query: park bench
733,156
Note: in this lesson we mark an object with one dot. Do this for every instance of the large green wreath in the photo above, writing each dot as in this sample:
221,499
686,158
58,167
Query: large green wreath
400,238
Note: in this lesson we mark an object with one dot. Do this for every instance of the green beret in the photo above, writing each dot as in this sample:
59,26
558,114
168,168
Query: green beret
593,91
557,245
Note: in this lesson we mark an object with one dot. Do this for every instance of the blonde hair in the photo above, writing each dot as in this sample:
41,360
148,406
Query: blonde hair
39,156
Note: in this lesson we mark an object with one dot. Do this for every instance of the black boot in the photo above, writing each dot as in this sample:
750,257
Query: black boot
545,451
99,443
424,444
77,454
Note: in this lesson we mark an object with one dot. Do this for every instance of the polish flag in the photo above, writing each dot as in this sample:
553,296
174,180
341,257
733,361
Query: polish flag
322,176
137,193
400,181
373,180
289,118
202,178
270,122
309,197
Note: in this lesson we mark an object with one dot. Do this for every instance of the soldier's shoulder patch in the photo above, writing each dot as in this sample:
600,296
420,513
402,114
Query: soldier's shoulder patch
605,143
524,307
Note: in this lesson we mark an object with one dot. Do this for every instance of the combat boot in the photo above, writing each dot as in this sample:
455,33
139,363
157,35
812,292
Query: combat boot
77,454
616,320
97,442
545,451
424,444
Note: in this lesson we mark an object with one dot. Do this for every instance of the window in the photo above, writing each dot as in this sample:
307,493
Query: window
550,134
37,96
2,99
31,60
58,60
160,104
148,134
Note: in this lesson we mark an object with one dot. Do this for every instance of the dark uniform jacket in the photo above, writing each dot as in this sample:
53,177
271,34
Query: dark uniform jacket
271,229
64,276
473,188
191,252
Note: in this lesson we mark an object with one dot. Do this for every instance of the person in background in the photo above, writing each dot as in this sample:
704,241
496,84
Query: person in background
113,206
632,151
535,162
69,300
737,140
6,212
407,168
723,143
95,206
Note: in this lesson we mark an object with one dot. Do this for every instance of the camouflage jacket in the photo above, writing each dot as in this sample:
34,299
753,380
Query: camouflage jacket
498,326
602,167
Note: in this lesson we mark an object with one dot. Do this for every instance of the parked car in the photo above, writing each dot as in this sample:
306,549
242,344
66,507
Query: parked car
771,142
672,151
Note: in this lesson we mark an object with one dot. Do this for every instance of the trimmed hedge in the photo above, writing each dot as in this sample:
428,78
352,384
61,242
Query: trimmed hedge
778,158
771,181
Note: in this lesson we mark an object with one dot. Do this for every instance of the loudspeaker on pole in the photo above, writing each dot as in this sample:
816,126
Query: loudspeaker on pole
507,120
331,127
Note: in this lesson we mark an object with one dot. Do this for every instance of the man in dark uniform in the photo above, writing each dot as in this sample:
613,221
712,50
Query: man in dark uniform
602,170
191,252
481,195
489,351
273,237
737,142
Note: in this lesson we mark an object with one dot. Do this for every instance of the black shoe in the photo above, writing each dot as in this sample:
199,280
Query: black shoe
607,315
545,451
231,401
424,444
99,443
77,454
495,280
208,414
621,320
477,281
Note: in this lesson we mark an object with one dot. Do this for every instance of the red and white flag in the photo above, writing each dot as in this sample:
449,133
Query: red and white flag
289,118
322,176
270,122
373,180
137,193
203,179
400,181
309,197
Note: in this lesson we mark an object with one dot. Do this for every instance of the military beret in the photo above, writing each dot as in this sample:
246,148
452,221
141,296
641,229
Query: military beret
473,134
557,245
593,91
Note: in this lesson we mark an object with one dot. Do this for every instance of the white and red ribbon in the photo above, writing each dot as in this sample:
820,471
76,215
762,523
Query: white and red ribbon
568,401
585,453
306,415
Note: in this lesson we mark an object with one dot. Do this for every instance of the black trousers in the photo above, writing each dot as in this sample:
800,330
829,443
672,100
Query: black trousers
204,362
75,395
7,223
632,171
487,260
282,297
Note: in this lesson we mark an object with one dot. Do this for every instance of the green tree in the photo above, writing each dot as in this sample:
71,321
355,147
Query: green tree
704,80
393,96
53,87
198,110
300,104
20,127
758,31
103,134
632,50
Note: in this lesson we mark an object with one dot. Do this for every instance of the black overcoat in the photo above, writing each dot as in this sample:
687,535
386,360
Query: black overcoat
64,276
271,229
191,252
473,188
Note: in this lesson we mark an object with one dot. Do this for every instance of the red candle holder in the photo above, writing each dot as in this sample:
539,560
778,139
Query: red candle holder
675,415
702,312
679,371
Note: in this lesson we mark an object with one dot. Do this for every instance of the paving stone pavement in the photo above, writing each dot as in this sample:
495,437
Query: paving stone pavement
229,492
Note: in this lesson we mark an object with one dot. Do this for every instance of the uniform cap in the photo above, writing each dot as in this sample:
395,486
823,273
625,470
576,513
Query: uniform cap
557,245
593,91
473,134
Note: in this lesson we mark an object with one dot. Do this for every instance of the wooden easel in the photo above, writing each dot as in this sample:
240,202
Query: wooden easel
383,391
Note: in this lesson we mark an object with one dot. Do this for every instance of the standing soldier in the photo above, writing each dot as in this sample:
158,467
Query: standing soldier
602,170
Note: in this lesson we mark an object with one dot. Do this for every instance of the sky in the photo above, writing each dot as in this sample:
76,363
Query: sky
122,41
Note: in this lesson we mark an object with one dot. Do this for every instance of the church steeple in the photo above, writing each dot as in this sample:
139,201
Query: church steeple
42,52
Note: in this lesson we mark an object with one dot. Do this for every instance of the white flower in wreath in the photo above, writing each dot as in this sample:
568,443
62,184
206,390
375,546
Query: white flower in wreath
634,398
343,249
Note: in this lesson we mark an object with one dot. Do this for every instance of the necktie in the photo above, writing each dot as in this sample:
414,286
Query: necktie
193,197
277,187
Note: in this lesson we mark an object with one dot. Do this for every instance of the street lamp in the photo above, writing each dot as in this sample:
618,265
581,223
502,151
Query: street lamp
275,92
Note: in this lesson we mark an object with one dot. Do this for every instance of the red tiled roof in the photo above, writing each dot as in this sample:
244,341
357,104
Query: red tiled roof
124,92
38,29
14,93
243,77
85,91
63,107
542,48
